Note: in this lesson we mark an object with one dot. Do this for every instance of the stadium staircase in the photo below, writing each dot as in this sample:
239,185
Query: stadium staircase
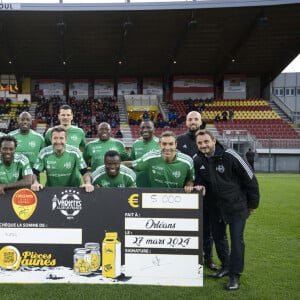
124,127
163,106
31,109
280,112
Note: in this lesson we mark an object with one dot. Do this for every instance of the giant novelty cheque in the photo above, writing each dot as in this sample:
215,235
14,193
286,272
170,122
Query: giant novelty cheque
113,235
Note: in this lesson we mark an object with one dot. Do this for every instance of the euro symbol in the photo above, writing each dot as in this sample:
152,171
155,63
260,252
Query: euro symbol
134,200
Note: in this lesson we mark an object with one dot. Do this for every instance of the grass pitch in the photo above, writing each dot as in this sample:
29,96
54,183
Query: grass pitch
271,266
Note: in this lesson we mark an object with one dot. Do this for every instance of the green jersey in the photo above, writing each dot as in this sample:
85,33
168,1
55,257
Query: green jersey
139,148
2,134
19,168
61,170
95,151
173,174
125,178
75,137
29,144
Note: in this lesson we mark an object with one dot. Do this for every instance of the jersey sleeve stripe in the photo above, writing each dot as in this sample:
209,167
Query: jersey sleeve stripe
242,162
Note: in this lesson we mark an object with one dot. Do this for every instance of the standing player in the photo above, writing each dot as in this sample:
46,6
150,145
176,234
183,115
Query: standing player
166,167
95,150
62,164
186,143
75,135
15,171
30,142
232,192
112,173
148,142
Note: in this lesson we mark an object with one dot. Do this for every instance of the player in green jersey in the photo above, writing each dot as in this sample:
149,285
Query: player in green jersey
167,167
30,143
145,144
62,163
15,171
112,173
95,150
75,135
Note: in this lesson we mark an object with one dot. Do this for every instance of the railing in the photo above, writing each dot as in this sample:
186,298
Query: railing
294,116
278,143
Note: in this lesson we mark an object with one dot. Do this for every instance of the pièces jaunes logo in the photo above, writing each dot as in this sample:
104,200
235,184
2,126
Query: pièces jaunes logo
11,259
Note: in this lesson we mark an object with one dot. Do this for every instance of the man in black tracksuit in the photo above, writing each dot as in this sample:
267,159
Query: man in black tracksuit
232,193
186,143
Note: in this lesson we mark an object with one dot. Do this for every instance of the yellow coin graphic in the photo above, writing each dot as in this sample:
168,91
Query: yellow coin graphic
10,258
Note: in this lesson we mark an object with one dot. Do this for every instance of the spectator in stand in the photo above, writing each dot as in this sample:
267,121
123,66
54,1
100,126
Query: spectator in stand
30,143
202,107
75,135
95,150
113,123
145,115
119,134
231,115
160,123
181,119
224,115
152,117
159,116
217,118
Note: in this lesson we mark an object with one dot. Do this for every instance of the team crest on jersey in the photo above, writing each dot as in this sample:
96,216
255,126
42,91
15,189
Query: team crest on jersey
74,138
16,175
68,165
220,169
69,204
32,144
176,174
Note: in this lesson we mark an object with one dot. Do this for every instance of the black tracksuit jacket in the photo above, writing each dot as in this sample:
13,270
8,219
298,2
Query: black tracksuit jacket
231,186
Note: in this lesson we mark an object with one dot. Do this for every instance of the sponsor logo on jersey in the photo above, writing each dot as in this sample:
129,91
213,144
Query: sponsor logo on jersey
160,168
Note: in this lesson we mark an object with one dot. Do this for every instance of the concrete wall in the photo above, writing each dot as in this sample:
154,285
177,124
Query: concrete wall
277,163
282,86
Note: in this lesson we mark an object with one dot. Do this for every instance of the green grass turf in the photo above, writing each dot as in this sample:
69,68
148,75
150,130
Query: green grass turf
271,266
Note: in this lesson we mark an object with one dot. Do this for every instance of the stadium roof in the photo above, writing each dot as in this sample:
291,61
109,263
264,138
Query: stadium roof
256,38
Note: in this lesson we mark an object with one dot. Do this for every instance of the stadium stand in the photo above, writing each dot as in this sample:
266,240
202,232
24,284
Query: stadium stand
87,114
253,115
